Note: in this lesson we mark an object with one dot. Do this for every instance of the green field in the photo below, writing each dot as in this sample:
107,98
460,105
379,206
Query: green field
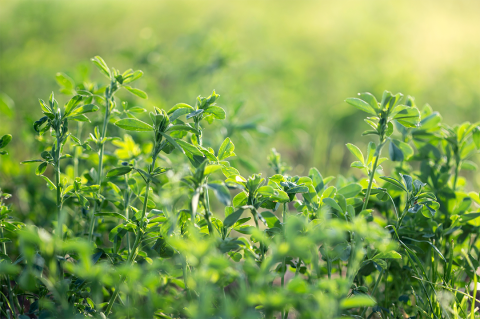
330,232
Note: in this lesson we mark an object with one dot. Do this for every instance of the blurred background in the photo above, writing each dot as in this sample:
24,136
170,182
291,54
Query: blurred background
288,64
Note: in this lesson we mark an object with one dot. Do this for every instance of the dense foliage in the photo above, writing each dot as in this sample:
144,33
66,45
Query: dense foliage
170,229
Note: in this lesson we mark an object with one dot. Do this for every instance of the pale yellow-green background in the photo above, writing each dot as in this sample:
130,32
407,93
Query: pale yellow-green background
291,62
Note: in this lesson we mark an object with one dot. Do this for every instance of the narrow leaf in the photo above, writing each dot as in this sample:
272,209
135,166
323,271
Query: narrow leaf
134,125
136,92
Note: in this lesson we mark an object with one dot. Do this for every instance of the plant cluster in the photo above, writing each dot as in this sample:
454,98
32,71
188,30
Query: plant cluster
171,229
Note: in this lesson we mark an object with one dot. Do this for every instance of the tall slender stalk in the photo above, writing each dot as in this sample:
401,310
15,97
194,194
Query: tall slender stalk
206,204
262,245
77,150
372,173
108,97
58,186
126,204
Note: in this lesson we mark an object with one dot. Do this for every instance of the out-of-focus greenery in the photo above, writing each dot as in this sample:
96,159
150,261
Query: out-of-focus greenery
404,233
295,58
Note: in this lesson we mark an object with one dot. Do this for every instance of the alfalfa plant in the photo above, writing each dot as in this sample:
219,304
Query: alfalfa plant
55,121
319,247
117,81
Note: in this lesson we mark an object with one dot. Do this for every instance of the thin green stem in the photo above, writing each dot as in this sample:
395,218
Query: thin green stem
197,127
404,213
58,186
126,204
262,245
96,207
77,150
372,174
206,205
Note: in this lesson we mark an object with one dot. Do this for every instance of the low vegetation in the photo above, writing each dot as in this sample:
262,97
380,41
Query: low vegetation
159,224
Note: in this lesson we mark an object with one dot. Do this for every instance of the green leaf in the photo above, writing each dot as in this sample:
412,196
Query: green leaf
357,301
407,116
332,203
469,165
357,164
6,105
240,199
216,111
49,183
408,181
470,216
5,140
31,161
65,82
232,218
112,214
180,106
429,209
134,125
72,103
172,141
406,149
136,92
476,136
280,196
221,192
361,105
271,219
80,118
395,153
390,254
266,191
187,147
195,113
297,190
183,127
83,109
98,61
370,99
350,190
356,151
122,170
371,148
317,179
136,109
389,100
179,112
394,182
134,76
209,169
41,168
226,150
